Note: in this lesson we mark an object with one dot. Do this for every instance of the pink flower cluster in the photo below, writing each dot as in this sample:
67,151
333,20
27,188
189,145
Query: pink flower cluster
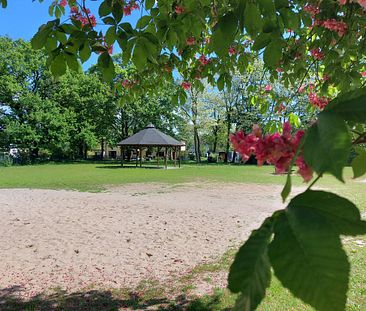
190,41
63,3
129,7
232,51
276,149
317,101
311,9
360,2
83,16
179,10
334,25
268,88
186,85
317,53
127,84
204,60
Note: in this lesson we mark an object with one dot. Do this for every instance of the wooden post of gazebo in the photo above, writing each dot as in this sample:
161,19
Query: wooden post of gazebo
140,157
175,156
179,148
166,158
137,157
158,157
122,151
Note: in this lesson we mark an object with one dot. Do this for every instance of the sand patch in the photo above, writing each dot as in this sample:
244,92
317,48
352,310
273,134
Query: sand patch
118,238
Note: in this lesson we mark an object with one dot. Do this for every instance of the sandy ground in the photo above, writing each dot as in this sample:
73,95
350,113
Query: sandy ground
118,238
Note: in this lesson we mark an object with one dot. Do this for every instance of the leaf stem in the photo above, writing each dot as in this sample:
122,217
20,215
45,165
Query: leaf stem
314,181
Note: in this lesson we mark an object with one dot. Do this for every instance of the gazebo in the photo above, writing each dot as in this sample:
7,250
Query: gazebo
152,137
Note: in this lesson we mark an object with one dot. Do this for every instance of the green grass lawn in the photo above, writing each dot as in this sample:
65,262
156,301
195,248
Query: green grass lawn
97,177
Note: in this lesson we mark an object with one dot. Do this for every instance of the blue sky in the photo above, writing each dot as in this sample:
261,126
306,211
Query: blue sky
21,19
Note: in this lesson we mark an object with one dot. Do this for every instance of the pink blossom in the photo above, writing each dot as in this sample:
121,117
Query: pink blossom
279,70
303,169
63,3
362,3
277,149
128,8
186,85
326,77
337,26
363,74
311,9
317,53
179,9
317,101
204,60
301,88
110,49
268,88
232,51
84,16
190,40
127,84
281,108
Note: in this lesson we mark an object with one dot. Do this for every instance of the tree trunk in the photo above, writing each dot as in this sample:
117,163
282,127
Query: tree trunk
228,120
197,145
85,152
102,149
216,130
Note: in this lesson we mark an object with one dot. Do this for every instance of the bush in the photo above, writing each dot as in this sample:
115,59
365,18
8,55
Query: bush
6,160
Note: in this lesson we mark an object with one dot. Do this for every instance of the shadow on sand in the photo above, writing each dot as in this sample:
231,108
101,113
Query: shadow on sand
97,300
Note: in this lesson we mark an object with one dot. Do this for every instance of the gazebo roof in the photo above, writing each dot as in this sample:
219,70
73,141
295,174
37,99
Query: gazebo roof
150,136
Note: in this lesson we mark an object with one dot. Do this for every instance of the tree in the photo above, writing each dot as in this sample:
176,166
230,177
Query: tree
302,243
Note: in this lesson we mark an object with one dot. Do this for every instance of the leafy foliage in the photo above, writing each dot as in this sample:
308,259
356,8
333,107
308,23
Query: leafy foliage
250,273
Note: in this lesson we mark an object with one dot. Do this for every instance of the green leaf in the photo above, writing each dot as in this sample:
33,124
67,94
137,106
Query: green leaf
350,106
106,65
117,10
104,9
221,82
272,54
262,41
149,4
139,56
58,65
4,3
109,20
72,62
85,52
307,257
143,21
359,165
341,213
250,272
224,34
39,40
252,19
287,188
327,145
110,35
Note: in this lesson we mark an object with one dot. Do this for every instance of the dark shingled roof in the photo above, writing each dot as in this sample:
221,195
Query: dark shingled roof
150,136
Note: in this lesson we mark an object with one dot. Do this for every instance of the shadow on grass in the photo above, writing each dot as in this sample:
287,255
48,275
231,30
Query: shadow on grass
136,167
101,300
